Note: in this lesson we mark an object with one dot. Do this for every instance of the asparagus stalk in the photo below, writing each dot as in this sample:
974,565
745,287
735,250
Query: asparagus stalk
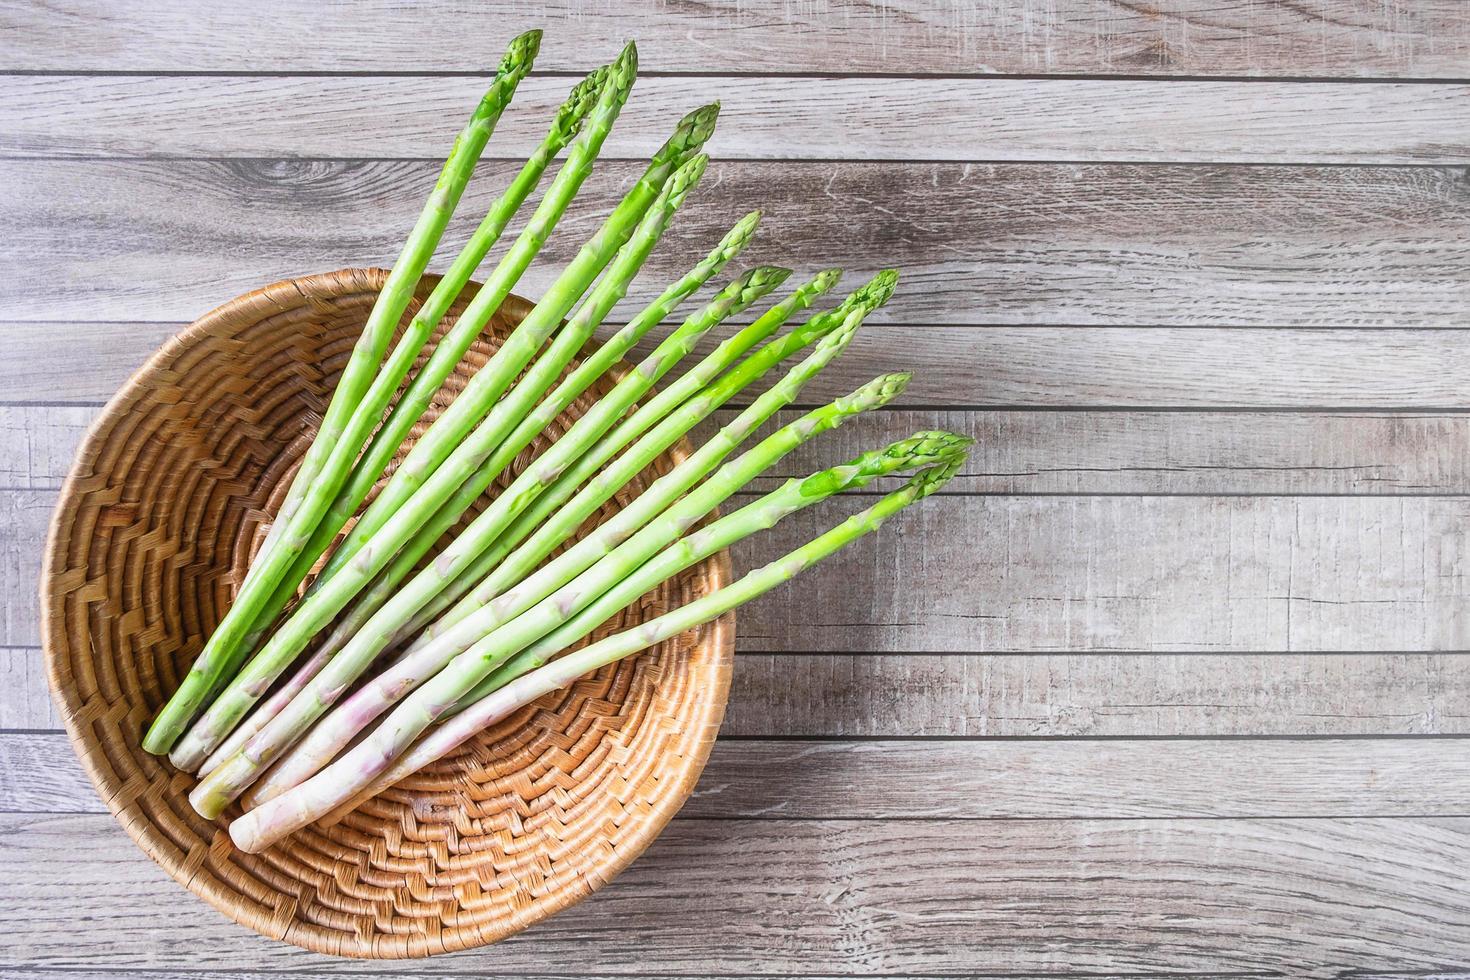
519,563
612,92
318,477
578,576
234,775
732,300
283,647
382,588
591,461
451,348
488,384
920,451
381,760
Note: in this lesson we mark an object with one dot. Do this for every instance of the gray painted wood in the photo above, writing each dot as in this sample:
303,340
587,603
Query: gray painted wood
1050,574
1329,38
1154,722
879,898
1048,696
1423,371
762,118
973,780
996,244
1018,451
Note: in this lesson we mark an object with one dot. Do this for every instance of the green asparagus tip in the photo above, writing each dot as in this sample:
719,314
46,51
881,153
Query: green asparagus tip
878,392
693,130
936,446
761,280
520,54
879,289
684,180
927,481
624,68
826,279
740,233
580,101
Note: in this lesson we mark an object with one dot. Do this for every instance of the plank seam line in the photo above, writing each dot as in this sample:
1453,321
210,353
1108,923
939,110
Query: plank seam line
749,75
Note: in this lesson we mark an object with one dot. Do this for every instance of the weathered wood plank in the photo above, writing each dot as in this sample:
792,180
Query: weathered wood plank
1065,695
1330,38
1039,574
762,118
1153,573
1303,897
1092,696
1028,451
440,973
24,701
1070,368
793,780
1001,244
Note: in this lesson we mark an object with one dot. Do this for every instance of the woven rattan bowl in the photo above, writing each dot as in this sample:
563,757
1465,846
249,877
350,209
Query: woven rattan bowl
157,521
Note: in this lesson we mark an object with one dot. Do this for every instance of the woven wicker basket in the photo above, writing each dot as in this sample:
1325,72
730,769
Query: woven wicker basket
156,525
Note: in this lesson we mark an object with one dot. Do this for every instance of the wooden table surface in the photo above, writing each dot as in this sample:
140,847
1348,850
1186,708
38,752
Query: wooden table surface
1175,678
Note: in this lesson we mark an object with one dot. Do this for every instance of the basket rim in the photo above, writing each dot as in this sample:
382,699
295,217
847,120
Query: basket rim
181,865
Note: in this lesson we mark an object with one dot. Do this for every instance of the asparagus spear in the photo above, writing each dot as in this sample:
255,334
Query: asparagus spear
547,537
318,478
651,412
612,92
283,647
488,384
380,760
382,588
232,776
920,451
451,348
578,576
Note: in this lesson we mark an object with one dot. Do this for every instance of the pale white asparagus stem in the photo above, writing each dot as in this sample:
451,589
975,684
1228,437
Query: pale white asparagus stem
316,610
578,576
382,588
367,768
378,632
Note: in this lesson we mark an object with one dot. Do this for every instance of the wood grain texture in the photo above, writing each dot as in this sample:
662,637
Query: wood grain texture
995,244
1329,38
864,897
1016,452
1051,696
1072,368
1216,695
1171,681
1043,574
815,780
787,118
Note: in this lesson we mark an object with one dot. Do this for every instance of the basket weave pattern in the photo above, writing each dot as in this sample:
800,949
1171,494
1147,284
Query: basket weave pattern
157,522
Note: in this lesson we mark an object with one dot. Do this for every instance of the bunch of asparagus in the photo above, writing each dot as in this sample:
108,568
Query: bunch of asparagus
304,702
